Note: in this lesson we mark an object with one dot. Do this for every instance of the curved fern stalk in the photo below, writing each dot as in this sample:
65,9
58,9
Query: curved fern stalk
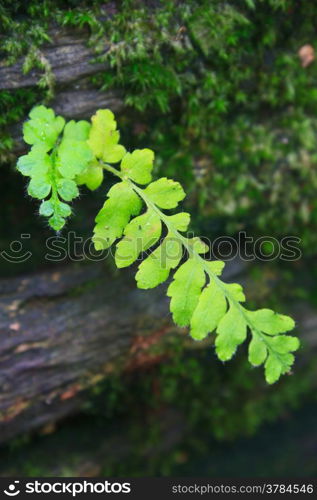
199,298
62,157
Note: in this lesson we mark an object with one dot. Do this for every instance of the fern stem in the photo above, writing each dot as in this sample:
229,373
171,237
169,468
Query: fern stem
54,196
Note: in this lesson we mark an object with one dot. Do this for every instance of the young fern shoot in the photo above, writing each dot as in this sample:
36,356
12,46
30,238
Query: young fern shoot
134,216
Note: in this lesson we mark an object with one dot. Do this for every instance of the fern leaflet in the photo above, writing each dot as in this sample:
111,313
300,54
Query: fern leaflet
58,154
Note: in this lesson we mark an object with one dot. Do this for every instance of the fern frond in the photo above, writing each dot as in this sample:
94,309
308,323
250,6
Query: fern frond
58,154
65,156
199,298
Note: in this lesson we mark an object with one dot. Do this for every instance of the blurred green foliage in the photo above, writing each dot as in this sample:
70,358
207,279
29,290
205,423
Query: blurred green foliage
123,429
217,88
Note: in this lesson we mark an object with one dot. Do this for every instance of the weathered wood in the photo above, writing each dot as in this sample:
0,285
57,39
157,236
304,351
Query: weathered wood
62,331
83,103
72,61
68,55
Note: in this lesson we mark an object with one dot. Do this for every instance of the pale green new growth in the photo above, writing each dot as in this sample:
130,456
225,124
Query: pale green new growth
73,153
92,176
104,137
121,205
185,290
138,165
43,128
165,193
58,155
139,235
65,156
205,318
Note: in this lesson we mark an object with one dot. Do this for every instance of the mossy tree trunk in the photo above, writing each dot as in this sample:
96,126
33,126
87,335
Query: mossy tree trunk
71,64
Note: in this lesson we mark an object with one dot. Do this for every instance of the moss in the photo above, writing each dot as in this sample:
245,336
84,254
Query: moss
223,79
229,84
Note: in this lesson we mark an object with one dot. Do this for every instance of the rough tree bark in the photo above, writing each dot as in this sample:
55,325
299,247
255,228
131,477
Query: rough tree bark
63,331
60,333
72,62
68,56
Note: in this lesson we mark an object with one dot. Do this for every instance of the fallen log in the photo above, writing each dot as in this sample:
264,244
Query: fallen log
60,332
68,55
64,330
72,61
82,103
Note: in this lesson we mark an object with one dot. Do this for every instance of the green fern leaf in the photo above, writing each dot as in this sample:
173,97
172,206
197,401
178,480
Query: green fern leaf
179,221
215,307
140,234
151,273
268,346
121,205
58,154
156,267
138,165
165,193
67,189
275,366
74,154
257,351
235,290
35,162
43,128
231,332
270,322
283,344
197,245
92,177
104,138
37,165
185,291
215,266
210,309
